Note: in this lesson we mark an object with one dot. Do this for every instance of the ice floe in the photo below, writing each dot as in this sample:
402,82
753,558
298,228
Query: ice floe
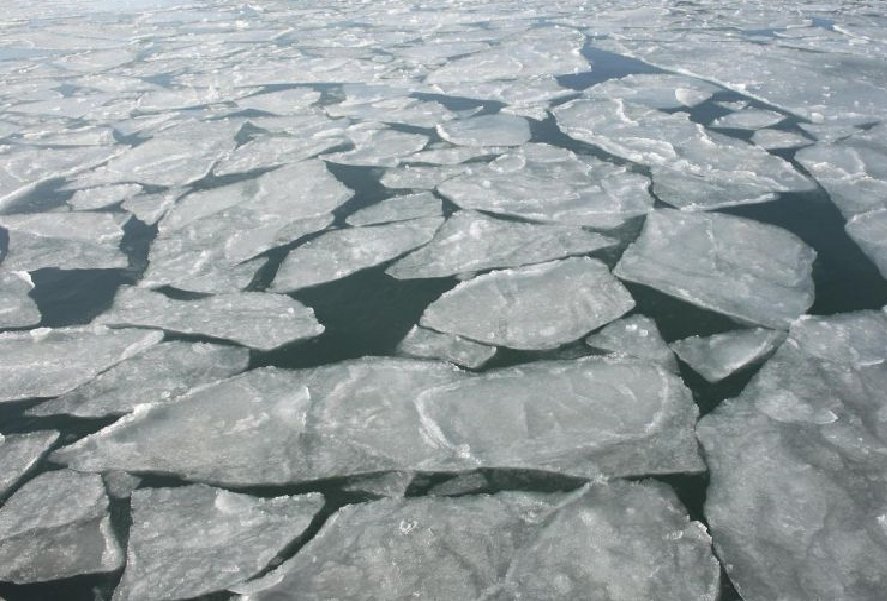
19,453
17,309
634,336
422,342
486,130
748,119
398,208
716,357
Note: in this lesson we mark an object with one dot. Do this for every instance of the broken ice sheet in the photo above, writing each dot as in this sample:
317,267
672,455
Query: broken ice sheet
398,208
691,168
748,119
101,197
338,253
274,426
160,374
869,231
634,336
49,362
396,110
422,342
19,453
57,526
509,546
77,240
376,146
531,308
797,466
546,183
527,97
17,309
655,90
420,177
469,241
486,130
258,320
750,271
193,540
284,102
716,357
774,139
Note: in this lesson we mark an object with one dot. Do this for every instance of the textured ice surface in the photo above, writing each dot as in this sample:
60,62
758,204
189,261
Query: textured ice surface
486,130
691,168
89,199
748,119
398,208
64,240
716,357
509,546
537,307
378,147
268,152
422,342
338,253
17,309
255,319
753,272
634,336
469,241
47,362
57,526
775,139
797,497
869,231
542,182
161,374
195,540
655,90
268,426
19,453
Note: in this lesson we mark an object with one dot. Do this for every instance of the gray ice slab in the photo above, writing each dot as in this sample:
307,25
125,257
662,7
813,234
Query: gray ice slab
398,208
267,152
545,183
486,130
194,540
797,466
57,526
748,119
258,320
461,484
531,308
716,357
750,271
89,199
422,342
49,362
389,484
869,231
510,546
17,309
19,453
378,147
150,208
160,374
270,426
469,241
338,253
634,336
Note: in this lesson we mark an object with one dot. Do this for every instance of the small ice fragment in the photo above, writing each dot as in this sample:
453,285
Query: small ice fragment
716,357
422,342
634,336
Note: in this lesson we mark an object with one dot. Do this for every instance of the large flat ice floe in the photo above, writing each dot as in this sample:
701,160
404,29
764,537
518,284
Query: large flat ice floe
797,466
750,271
632,540
537,307
57,526
270,426
19,453
194,540
258,320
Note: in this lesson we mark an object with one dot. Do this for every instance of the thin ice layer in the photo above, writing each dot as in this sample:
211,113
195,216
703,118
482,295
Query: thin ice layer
634,336
194,540
258,320
160,374
21,452
271,426
509,546
49,362
537,307
753,272
716,357
469,241
17,309
422,342
798,466
339,253
57,526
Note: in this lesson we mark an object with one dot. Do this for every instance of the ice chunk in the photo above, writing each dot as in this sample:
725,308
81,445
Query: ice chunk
748,119
150,208
471,241
17,309
869,231
508,546
420,177
194,540
57,526
486,130
378,147
160,374
265,152
753,272
19,453
537,307
281,103
634,336
338,253
422,342
255,319
47,362
528,96
120,485
64,240
797,466
462,484
398,208
546,183
390,484
400,110
655,90
89,199
452,155
774,139
272,426
716,357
